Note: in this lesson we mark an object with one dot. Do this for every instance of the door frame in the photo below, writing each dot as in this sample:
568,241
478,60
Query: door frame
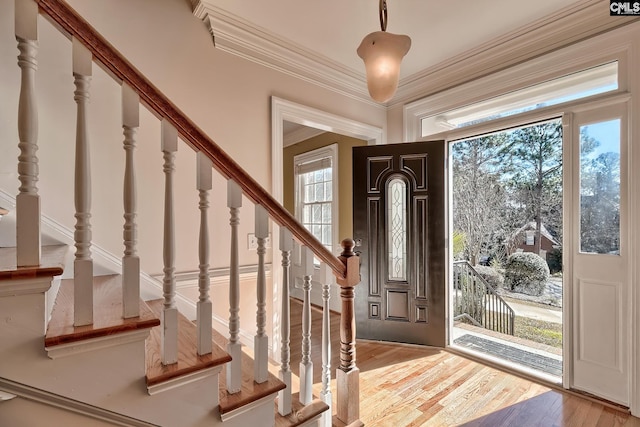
283,110
620,44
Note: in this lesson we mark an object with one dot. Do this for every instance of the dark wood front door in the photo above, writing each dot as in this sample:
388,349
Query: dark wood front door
399,224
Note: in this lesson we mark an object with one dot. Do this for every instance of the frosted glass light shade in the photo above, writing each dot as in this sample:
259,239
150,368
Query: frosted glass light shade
382,53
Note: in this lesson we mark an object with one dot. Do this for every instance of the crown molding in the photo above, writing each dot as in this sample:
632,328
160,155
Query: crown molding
240,37
569,25
576,22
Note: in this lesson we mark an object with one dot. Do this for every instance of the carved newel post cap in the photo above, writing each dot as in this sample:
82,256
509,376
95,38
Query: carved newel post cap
347,246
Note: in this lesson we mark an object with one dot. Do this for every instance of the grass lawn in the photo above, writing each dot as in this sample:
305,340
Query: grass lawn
548,333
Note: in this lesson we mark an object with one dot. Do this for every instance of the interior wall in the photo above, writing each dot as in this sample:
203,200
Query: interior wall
395,123
345,171
226,96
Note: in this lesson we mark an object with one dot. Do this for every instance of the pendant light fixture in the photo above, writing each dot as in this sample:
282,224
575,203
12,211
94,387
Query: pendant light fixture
382,53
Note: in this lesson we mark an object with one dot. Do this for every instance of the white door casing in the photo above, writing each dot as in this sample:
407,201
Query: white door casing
600,291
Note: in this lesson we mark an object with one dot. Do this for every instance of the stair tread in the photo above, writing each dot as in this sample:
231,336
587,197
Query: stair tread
51,263
250,391
107,315
300,413
188,359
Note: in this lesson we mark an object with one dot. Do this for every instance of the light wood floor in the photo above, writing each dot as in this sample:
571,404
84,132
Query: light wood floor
416,386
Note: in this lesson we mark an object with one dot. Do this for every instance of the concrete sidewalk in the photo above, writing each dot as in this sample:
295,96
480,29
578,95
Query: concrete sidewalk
539,313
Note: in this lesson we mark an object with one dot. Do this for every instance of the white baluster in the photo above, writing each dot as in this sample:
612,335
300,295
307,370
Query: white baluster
261,340
234,348
326,278
83,264
284,396
130,259
306,365
169,312
27,200
204,183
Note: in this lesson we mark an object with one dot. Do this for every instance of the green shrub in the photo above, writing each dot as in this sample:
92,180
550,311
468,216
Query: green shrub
554,260
527,273
491,275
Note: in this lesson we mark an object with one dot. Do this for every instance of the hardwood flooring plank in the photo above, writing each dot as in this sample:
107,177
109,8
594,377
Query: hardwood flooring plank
406,385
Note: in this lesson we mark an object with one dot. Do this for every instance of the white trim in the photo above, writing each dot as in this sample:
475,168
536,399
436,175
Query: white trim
187,379
281,111
4,396
576,22
567,248
217,276
570,24
621,45
242,38
64,403
92,344
104,261
15,287
249,407
615,45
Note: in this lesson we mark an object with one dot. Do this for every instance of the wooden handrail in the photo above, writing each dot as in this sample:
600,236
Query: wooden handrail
71,22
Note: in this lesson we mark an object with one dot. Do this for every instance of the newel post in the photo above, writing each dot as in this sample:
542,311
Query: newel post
347,375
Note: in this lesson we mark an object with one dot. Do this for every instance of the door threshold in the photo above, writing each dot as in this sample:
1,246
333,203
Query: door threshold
508,366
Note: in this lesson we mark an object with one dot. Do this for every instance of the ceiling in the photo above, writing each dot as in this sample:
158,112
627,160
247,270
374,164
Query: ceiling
439,30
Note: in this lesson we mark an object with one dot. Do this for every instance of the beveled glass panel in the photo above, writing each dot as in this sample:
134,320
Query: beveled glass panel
600,188
397,229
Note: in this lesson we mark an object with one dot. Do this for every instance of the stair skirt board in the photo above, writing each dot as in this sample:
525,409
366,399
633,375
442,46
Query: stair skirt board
51,399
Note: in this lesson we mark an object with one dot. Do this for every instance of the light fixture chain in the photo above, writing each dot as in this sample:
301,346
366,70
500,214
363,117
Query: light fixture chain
383,15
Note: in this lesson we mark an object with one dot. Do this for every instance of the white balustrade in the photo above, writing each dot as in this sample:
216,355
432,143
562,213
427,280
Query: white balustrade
234,348
83,264
306,365
204,307
169,317
261,340
325,277
130,259
284,396
27,200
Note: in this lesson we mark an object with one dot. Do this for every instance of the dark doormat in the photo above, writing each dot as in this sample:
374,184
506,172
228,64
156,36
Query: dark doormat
523,357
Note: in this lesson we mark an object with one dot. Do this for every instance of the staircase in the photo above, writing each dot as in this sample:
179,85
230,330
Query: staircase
82,346
476,301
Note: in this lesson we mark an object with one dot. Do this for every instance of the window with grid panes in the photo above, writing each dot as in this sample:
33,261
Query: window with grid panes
314,175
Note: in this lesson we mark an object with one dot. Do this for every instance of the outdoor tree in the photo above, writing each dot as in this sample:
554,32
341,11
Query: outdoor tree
534,155
478,192
600,203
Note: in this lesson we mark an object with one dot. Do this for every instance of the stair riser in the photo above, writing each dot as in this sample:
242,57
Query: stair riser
111,378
